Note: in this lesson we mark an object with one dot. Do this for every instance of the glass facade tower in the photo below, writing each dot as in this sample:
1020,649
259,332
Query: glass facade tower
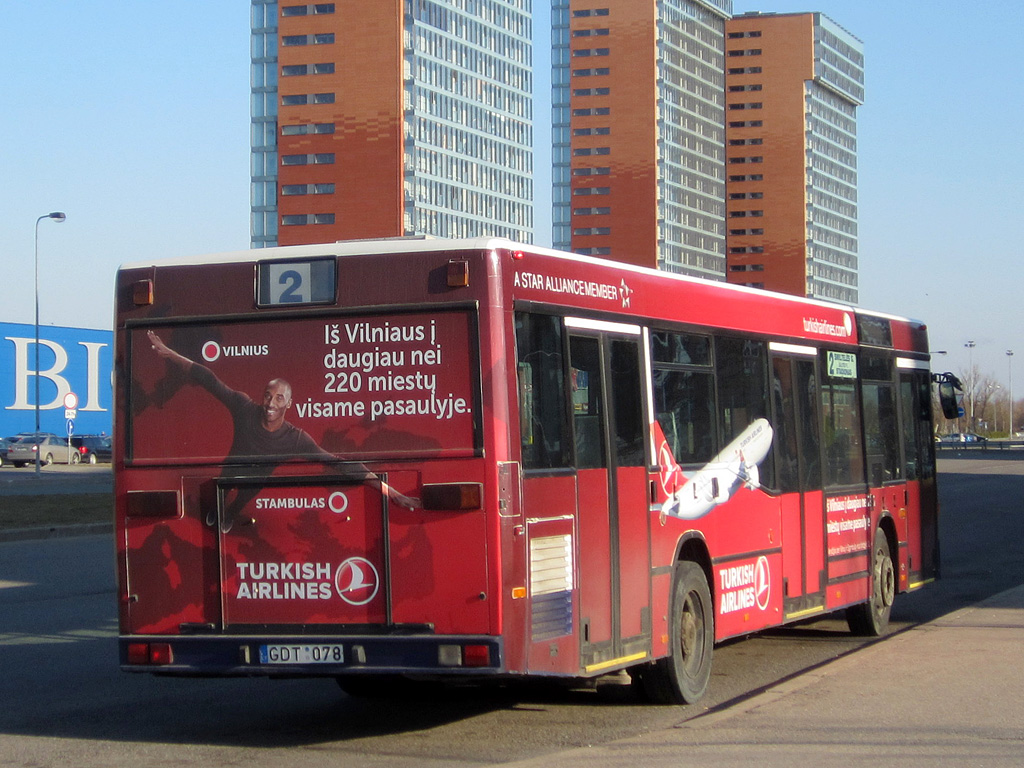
419,125
638,121
793,85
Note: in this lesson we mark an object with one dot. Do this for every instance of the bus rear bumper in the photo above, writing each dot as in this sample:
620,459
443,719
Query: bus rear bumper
311,656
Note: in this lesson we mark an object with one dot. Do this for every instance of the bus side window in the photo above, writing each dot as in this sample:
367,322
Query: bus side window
541,383
684,405
587,398
627,394
915,391
881,429
841,427
742,368
684,395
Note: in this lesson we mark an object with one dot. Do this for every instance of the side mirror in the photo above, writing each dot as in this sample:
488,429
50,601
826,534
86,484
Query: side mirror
950,394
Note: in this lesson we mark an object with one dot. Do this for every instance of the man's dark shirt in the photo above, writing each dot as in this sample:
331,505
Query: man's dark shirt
251,437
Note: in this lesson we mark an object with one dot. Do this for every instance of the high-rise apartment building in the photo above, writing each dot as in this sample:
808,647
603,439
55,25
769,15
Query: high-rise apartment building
638,131
793,85
389,118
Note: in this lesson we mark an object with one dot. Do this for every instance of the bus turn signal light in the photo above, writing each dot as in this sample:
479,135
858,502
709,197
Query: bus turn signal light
142,293
458,274
438,496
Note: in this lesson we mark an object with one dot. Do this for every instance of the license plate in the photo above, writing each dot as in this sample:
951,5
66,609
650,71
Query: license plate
302,654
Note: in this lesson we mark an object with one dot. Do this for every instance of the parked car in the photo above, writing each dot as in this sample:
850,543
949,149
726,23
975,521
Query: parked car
92,448
963,437
5,444
49,447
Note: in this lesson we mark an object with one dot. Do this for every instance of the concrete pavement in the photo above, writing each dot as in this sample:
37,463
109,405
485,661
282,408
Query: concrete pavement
946,693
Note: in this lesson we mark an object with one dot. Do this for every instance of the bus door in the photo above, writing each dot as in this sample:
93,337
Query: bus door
609,436
798,467
919,462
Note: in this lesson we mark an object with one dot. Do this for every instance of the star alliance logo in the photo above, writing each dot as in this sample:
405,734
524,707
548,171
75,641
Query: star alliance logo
626,292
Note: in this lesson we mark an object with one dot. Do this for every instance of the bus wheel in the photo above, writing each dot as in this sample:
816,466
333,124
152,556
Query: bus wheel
682,677
871,618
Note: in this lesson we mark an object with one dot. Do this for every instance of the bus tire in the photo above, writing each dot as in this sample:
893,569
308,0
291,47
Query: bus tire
871,618
682,676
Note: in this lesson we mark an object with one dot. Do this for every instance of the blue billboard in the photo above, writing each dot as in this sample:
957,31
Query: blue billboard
72,361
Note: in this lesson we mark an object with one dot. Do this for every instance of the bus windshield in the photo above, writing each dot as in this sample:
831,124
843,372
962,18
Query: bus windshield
353,387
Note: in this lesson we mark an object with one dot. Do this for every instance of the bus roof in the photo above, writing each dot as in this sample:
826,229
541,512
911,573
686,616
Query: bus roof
428,244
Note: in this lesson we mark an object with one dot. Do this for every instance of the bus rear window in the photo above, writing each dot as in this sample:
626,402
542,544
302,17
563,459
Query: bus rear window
322,389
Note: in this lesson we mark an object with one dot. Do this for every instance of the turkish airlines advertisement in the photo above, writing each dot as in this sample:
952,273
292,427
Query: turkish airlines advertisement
304,554
321,389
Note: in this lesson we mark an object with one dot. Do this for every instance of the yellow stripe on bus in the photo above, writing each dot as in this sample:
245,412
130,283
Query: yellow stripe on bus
615,662
806,612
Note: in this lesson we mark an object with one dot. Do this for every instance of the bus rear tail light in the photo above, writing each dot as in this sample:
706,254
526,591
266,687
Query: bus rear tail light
476,655
153,504
464,655
443,496
150,653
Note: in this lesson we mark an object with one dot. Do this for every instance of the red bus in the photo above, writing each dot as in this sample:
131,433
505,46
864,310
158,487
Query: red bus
398,459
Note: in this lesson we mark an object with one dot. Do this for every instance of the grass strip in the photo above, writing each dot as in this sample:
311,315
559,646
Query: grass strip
56,509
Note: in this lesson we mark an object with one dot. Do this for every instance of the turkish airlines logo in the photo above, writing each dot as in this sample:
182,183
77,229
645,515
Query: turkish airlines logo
357,581
670,474
762,583
745,586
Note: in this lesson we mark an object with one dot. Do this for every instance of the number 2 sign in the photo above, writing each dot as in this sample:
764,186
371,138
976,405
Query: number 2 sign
289,283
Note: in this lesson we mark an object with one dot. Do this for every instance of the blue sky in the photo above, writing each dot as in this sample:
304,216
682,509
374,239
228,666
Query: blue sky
134,120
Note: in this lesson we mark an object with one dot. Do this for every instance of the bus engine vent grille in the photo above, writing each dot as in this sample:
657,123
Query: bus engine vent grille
551,586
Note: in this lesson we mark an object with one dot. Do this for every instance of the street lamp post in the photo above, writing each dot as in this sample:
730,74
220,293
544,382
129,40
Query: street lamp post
970,370
1009,365
58,217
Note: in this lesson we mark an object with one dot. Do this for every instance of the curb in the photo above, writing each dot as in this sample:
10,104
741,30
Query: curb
56,531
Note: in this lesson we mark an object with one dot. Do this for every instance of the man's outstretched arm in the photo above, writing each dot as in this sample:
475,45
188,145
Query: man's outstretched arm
167,353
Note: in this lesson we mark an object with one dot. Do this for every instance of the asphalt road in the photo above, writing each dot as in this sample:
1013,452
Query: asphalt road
65,701
56,478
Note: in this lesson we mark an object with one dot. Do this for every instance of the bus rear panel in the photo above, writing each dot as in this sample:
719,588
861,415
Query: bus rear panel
246,550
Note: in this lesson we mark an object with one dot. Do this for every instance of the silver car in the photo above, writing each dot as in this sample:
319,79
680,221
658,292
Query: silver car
49,447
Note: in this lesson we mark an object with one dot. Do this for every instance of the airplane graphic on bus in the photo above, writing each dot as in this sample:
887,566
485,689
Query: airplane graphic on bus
735,466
